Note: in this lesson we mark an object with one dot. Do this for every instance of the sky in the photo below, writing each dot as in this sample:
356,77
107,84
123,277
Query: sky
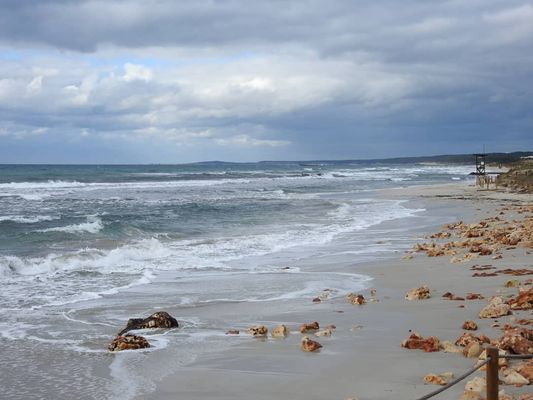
160,81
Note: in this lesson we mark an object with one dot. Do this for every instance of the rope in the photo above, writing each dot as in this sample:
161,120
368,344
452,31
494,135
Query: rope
517,356
457,380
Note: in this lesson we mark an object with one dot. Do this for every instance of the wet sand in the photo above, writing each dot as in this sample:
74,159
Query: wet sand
363,358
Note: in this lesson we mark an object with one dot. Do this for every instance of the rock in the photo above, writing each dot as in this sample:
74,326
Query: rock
325,332
160,319
416,341
526,396
526,370
477,385
483,339
472,350
510,377
232,332
484,274
496,308
128,342
474,296
515,343
481,267
470,325
465,339
326,293
355,299
517,330
464,258
440,379
485,251
467,395
259,330
451,296
449,347
512,283
504,396
524,301
317,300
420,293
280,331
313,326
309,345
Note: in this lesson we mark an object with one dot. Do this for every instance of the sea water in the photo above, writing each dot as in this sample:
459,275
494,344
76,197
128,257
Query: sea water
84,248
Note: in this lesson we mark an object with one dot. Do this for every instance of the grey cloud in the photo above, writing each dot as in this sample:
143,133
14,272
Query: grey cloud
330,26
298,79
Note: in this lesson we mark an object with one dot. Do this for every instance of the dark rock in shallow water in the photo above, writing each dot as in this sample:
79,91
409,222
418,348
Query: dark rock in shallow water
128,342
159,319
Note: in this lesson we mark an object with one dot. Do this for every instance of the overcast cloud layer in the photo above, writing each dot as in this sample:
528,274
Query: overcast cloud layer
168,81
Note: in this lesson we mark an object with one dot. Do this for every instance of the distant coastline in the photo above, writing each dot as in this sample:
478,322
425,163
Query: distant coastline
492,158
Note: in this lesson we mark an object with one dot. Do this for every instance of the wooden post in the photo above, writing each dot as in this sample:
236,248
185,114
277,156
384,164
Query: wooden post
492,374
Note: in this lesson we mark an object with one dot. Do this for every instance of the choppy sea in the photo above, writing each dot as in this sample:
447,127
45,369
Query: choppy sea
82,248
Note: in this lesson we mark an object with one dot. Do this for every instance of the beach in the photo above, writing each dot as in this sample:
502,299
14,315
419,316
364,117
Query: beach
361,359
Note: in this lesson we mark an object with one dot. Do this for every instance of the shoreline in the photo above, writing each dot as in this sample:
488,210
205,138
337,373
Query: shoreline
365,363
362,359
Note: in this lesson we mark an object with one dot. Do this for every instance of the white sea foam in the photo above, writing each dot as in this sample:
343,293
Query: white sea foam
201,253
145,279
27,220
34,196
131,258
93,225
14,331
40,185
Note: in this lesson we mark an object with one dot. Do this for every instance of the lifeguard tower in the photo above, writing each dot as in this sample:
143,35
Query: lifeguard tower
480,164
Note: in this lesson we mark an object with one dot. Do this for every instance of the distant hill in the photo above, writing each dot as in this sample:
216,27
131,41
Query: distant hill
492,158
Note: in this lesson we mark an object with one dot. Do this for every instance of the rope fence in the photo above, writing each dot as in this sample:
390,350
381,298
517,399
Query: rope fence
457,380
492,373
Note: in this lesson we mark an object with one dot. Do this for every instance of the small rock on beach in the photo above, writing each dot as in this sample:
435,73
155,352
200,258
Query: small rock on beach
309,345
128,342
420,293
160,319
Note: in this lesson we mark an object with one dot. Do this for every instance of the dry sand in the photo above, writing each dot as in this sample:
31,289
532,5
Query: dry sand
368,362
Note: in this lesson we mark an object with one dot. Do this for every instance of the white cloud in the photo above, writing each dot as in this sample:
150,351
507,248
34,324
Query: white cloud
7,88
134,72
22,132
248,141
520,14
432,25
512,24
35,86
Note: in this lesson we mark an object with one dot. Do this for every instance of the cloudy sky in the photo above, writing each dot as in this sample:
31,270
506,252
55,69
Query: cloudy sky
148,81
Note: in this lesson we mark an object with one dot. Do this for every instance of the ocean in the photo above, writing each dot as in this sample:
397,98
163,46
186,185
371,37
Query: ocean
84,248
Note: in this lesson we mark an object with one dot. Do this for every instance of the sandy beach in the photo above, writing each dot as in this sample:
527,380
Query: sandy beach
363,358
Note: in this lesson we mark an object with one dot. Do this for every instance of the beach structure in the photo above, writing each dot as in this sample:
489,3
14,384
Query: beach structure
483,178
480,163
